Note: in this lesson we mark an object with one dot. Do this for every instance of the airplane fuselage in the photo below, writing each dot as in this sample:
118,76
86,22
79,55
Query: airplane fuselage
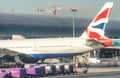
46,48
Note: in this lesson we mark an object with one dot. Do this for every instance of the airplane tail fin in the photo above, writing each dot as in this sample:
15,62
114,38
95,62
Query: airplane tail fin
96,29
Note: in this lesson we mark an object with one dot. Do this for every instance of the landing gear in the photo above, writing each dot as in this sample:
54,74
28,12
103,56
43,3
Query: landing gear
65,60
41,61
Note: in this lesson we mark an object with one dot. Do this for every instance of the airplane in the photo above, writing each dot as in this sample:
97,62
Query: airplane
54,9
93,38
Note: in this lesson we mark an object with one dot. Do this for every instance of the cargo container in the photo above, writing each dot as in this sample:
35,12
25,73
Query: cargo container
40,72
5,74
59,69
18,72
68,68
80,68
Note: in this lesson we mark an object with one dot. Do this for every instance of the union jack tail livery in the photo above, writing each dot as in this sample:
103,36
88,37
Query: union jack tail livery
96,29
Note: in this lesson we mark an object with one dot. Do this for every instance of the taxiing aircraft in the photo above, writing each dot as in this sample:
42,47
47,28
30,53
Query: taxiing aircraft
92,39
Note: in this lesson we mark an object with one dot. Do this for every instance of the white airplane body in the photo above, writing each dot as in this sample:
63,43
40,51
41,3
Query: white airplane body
53,47
92,39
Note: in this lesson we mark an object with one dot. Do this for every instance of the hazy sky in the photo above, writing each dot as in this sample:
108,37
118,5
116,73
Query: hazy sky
30,6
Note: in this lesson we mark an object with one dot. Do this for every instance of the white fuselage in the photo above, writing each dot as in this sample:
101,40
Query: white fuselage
47,46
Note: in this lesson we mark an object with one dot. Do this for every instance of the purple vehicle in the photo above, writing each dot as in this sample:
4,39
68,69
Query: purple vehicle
39,71
18,72
5,74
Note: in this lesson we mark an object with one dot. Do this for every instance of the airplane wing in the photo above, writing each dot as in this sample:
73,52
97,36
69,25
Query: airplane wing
4,51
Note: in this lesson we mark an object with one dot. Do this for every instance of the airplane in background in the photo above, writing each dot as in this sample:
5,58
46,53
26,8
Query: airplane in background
54,9
92,39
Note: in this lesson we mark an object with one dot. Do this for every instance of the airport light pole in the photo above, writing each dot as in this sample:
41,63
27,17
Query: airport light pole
74,10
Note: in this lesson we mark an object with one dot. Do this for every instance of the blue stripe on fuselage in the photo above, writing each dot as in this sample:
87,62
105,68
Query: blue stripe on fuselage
52,55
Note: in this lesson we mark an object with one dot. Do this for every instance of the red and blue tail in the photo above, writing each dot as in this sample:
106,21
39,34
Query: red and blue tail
96,29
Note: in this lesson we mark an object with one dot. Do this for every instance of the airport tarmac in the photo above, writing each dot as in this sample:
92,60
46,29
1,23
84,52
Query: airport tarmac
94,72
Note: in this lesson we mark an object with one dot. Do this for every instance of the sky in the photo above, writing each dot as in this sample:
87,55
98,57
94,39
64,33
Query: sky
30,7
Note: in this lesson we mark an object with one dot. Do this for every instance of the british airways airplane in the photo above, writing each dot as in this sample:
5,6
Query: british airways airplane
92,39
